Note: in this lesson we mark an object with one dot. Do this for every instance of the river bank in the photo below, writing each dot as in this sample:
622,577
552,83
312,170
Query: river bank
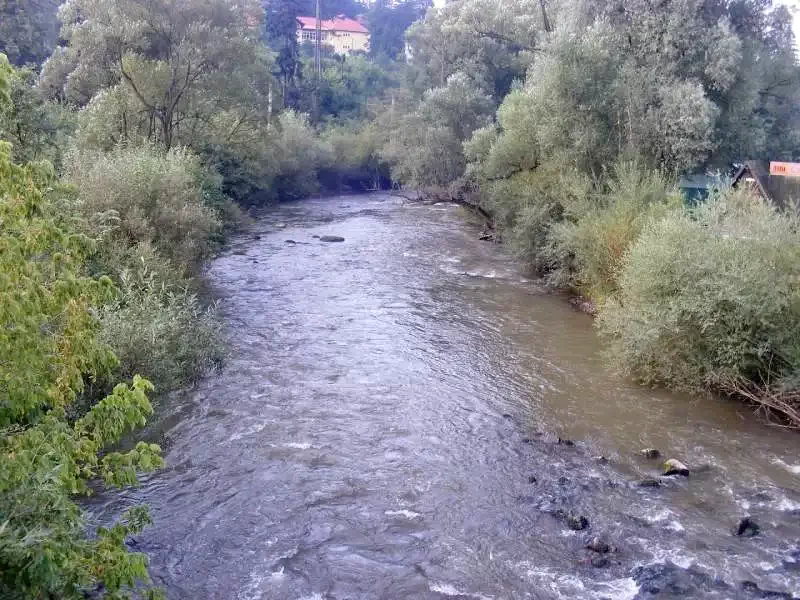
388,426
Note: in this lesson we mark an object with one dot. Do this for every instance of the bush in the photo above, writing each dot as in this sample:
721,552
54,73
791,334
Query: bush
355,162
299,156
49,348
709,297
159,327
591,242
146,195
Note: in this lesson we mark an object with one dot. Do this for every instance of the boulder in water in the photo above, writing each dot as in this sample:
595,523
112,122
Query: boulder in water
598,545
577,522
747,527
331,238
675,467
651,453
649,482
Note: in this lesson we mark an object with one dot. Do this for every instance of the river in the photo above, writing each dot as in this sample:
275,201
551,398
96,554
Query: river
388,424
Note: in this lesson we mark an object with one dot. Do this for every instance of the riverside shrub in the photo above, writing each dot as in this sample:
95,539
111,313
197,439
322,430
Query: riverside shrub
591,241
710,296
145,194
49,347
159,327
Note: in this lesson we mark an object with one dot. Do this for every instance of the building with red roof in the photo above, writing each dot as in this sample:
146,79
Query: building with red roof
343,34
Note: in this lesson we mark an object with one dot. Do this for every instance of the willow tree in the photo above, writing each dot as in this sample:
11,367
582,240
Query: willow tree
174,66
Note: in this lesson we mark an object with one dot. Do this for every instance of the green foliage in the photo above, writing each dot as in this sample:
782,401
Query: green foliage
594,236
144,194
28,30
710,296
388,23
354,161
49,346
156,325
425,147
349,83
36,127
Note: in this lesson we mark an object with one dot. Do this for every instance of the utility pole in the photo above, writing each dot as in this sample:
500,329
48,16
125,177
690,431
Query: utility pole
318,45
318,62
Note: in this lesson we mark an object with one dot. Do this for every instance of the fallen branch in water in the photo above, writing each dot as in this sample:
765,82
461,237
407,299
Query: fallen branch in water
778,407
419,198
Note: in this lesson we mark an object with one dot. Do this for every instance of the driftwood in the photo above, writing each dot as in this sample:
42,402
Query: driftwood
776,406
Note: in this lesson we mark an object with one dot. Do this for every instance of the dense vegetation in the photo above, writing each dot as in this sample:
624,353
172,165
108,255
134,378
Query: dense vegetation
131,147
128,152
570,123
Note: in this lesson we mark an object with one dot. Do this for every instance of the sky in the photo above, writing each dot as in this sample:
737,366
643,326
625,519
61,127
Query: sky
794,5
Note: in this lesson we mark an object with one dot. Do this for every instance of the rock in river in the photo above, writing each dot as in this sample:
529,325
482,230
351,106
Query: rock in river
651,453
577,522
331,238
747,527
598,545
675,467
649,483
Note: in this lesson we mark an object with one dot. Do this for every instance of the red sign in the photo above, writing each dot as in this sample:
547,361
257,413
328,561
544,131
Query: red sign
784,169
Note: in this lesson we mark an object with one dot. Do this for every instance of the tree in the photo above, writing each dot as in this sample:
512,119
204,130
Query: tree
425,147
35,126
176,64
495,42
388,23
48,347
28,30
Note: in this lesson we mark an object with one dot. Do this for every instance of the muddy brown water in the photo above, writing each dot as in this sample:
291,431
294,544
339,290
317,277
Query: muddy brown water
387,427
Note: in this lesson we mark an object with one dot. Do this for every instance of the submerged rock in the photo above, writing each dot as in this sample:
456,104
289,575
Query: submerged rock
649,483
747,527
598,545
651,453
577,522
331,238
757,592
600,562
673,581
675,467
532,479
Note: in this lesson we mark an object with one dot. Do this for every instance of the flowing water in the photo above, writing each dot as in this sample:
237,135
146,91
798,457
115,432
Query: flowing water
388,427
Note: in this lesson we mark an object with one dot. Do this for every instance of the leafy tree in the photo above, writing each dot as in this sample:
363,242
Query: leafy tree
495,42
425,147
48,347
388,23
28,30
176,64
35,126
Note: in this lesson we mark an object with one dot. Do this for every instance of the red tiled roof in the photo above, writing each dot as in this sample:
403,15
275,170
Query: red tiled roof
335,24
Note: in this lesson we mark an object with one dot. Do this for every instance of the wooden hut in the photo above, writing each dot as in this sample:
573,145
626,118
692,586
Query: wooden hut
781,190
